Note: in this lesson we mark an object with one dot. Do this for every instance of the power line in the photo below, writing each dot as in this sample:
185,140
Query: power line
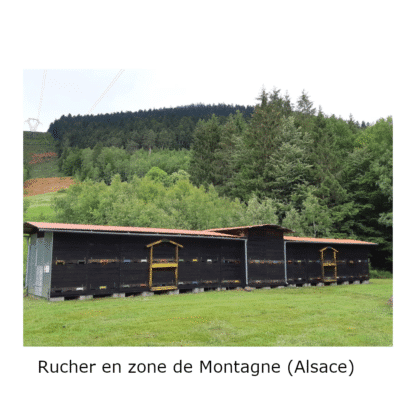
41,92
34,122
107,89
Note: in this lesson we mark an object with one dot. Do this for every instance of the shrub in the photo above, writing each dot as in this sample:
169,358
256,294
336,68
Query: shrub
380,274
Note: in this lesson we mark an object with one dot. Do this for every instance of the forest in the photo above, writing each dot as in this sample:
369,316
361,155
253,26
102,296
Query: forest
199,167
167,128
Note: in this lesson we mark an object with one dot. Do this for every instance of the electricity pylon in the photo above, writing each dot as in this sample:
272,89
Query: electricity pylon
33,127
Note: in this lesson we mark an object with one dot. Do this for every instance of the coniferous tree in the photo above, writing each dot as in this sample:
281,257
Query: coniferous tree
224,166
207,136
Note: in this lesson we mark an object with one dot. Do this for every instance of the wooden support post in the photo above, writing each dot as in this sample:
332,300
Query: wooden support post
164,264
151,267
177,264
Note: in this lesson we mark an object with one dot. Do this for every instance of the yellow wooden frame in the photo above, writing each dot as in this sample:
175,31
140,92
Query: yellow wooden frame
163,265
164,241
332,263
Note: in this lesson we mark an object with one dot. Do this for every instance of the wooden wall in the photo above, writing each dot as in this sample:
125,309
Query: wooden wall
265,257
101,264
304,261
85,264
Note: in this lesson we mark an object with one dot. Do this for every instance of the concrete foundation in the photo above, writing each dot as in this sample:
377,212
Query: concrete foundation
118,295
291,286
85,297
146,294
198,290
356,282
173,292
266,287
345,283
281,287
333,284
56,299
365,282
306,285
320,284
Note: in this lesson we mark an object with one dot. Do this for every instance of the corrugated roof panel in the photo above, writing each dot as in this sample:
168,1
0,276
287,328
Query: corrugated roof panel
245,227
325,240
29,227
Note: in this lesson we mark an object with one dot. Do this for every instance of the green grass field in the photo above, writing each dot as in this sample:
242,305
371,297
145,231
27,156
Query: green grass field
354,315
40,207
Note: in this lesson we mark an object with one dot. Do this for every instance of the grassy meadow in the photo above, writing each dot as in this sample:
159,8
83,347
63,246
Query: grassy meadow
40,207
354,315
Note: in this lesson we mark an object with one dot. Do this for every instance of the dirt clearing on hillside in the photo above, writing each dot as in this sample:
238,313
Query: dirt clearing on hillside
39,186
42,157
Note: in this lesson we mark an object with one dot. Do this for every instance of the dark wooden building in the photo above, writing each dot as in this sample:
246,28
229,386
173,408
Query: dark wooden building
312,260
76,260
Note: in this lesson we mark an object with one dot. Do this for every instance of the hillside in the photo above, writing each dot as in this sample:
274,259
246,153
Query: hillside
40,186
40,156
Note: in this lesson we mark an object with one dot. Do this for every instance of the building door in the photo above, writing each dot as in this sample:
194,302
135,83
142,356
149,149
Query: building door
329,264
163,265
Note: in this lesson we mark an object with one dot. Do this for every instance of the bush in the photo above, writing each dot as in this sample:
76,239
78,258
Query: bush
380,274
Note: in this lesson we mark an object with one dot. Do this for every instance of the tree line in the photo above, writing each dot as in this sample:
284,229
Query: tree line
167,128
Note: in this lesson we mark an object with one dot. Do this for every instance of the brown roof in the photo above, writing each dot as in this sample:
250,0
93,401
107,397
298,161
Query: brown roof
31,227
245,227
325,240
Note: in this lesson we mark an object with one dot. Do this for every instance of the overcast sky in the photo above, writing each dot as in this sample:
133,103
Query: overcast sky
351,57
76,91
